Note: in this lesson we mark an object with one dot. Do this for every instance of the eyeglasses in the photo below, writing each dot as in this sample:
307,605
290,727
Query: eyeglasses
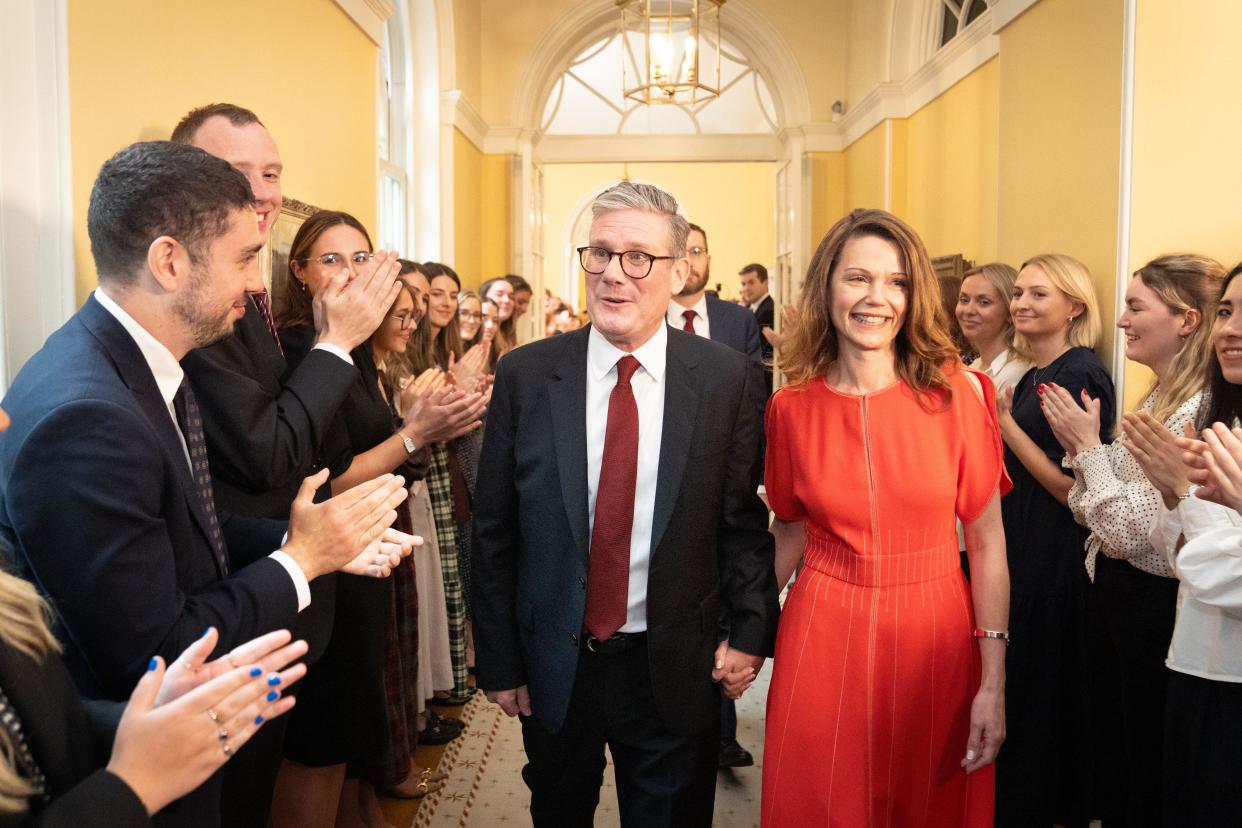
470,316
337,260
634,263
405,320
696,251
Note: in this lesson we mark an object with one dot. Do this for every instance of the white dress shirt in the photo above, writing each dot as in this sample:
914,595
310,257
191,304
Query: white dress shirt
677,316
1207,636
168,376
1005,370
648,385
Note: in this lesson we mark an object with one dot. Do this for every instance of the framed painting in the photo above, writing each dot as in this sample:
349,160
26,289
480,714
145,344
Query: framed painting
274,258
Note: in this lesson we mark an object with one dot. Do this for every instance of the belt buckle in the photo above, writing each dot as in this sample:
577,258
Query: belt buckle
590,642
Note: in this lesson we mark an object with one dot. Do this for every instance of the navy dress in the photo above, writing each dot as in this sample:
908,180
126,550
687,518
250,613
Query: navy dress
1044,766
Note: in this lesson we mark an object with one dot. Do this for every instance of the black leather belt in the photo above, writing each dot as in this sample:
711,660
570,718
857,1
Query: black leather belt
616,643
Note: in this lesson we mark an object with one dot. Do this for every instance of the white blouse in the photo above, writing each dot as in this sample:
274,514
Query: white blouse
1207,637
1005,370
1113,498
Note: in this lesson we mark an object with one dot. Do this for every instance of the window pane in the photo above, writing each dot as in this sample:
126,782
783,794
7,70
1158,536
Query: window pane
976,8
949,27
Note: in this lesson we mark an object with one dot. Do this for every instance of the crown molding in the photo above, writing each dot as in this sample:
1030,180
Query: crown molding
369,15
1005,12
818,137
456,110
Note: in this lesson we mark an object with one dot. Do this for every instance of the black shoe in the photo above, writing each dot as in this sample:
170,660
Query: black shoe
444,721
733,755
453,701
437,733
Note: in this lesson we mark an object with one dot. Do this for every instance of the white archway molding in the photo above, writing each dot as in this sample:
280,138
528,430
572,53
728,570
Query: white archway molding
594,20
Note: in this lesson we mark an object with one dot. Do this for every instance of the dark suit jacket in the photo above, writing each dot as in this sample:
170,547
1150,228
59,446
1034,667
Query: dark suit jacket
97,506
735,326
765,317
65,748
710,548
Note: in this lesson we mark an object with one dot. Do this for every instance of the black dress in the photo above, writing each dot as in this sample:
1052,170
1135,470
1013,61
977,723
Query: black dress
340,715
1044,766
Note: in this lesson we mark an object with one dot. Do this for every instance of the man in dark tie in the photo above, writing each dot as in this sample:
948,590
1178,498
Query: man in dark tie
105,495
753,290
617,517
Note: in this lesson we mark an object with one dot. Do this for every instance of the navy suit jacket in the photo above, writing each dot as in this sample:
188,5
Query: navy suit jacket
711,553
98,508
735,326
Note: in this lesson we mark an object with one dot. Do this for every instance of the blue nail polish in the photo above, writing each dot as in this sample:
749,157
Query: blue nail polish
273,695
258,720
273,680
255,672
204,635
153,664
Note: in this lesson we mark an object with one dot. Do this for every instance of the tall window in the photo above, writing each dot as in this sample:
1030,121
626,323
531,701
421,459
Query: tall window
957,15
588,100
392,132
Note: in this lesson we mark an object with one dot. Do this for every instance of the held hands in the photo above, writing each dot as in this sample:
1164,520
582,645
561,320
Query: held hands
735,670
325,537
1077,428
1156,450
987,729
165,750
513,701
350,307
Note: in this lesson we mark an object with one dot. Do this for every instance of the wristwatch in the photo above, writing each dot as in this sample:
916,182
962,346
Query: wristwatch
410,448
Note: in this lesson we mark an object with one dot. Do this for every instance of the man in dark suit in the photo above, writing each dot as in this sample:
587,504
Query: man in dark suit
105,495
753,290
615,525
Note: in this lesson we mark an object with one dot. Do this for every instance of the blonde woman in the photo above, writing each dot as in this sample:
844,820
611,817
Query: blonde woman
1043,771
1166,321
982,313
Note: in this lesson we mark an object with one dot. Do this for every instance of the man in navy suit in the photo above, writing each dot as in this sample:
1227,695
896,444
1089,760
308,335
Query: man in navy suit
616,524
695,311
753,291
105,496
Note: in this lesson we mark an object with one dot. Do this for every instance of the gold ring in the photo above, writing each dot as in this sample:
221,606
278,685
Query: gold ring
213,715
228,750
222,734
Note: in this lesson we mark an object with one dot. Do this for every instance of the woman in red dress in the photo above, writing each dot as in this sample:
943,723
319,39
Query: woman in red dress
886,705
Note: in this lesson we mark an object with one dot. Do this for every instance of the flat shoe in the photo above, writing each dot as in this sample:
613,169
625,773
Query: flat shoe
436,734
445,721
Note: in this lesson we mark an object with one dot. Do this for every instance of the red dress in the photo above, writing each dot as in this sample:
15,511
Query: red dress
876,667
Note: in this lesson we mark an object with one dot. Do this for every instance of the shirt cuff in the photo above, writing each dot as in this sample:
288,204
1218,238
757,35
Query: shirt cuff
332,349
300,584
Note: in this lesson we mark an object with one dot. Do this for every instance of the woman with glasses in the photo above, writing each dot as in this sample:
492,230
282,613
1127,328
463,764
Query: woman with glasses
341,715
469,317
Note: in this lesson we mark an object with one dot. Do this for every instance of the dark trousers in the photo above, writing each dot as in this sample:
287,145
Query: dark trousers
728,718
1203,753
663,779
1137,610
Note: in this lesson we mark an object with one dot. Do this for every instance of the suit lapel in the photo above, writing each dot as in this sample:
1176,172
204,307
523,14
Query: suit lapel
567,394
137,376
681,403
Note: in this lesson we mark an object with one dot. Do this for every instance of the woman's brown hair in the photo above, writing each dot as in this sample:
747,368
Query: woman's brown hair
296,308
448,338
923,347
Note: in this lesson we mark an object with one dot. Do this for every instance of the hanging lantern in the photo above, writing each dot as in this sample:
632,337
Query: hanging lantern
671,50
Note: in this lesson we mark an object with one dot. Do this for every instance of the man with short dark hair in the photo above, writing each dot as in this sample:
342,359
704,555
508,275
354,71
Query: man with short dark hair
753,290
105,493
617,521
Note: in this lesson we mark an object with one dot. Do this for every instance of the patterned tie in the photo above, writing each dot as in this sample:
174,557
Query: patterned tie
264,303
608,577
191,422
689,317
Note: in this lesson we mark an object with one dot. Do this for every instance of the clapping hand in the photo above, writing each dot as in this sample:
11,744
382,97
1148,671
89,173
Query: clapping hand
381,557
191,669
735,670
1077,428
1215,464
324,537
1156,451
467,370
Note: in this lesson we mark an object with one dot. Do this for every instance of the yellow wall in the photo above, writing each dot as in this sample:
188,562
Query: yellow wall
733,202
951,152
481,210
866,48
827,192
864,171
137,66
1060,115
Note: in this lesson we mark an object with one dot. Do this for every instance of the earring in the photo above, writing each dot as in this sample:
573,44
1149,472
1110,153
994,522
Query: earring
1070,320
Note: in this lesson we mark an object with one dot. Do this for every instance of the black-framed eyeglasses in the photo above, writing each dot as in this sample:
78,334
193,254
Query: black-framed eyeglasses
634,263
470,316
403,319
337,260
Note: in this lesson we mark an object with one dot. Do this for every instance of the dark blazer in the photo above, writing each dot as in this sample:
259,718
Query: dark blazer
70,753
97,506
765,317
710,547
735,326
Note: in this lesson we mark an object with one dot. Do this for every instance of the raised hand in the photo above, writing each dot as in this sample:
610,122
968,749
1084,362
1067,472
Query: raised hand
1156,451
351,305
191,669
1077,428
164,752
324,537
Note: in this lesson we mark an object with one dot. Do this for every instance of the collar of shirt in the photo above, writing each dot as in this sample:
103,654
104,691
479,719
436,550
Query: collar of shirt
163,364
602,355
675,312
754,306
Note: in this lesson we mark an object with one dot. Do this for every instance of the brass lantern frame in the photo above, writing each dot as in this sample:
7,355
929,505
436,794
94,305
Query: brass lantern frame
669,75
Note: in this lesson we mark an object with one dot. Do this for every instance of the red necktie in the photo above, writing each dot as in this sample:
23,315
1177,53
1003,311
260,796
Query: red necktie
689,317
608,577
263,302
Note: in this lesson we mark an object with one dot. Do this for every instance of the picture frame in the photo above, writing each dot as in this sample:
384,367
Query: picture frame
274,258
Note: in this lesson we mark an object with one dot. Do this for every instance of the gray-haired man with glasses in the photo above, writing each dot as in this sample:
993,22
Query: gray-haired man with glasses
617,517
